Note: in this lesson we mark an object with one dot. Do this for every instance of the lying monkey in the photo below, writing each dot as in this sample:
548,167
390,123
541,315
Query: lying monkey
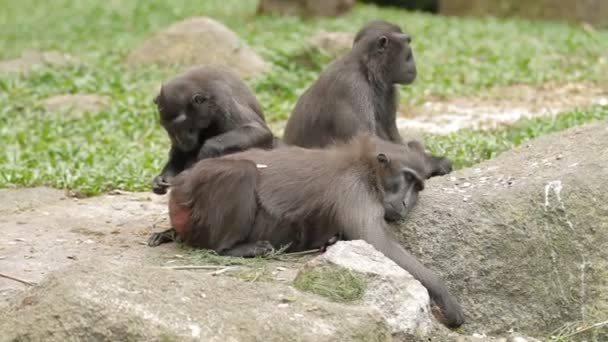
248,203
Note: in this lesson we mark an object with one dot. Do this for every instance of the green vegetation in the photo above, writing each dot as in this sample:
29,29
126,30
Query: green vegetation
337,284
468,147
124,147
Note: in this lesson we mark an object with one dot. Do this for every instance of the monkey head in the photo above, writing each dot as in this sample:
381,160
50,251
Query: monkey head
388,50
186,110
398,183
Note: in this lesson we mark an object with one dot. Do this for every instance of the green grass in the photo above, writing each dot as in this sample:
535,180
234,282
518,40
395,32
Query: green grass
468,147
124,147
337,284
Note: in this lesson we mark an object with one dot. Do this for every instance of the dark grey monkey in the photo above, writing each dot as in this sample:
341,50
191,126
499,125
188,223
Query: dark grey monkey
208,112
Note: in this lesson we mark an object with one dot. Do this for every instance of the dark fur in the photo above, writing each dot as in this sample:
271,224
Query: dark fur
305,198
208,112
357,92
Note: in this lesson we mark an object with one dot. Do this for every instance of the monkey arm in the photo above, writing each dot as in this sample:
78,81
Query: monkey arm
252,134
176,164
393,133
379,235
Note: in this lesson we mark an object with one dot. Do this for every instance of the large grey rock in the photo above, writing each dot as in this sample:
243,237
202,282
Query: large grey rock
198,41
403,301
522,239
112,302
306,8
32,59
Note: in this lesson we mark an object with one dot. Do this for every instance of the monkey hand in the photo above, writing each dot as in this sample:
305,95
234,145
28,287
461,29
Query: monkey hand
160,184
444,166
211,149
451,313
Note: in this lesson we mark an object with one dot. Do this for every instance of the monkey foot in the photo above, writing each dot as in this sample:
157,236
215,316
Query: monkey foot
250,249
166,236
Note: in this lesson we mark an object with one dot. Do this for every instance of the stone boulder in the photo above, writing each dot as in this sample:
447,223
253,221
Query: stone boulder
198,41
306,8
30,60
522,239
403,301
77,104
104,301
331,44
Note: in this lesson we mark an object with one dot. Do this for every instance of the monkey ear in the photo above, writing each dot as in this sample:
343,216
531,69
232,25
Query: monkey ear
383,158
198,99
382,42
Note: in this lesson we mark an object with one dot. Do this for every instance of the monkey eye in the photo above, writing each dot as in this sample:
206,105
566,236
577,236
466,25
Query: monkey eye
383,42
198,99
382,158
409,177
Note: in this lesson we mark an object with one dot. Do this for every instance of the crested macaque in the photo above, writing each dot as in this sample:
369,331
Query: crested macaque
208,112
249,203
356,93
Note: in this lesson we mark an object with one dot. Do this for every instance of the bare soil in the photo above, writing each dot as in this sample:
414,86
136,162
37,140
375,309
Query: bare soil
499,106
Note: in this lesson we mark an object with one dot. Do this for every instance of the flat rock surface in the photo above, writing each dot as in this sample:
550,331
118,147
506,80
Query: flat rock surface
104,300
43,231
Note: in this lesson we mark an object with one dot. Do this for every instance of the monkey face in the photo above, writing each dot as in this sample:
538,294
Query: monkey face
184,117
399,186
391,48
401,58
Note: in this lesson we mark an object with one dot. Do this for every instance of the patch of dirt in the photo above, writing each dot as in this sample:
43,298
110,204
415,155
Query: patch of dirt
499,106
77,104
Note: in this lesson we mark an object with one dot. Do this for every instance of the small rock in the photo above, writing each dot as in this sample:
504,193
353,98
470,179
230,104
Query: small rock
30,60
306,8
76,103
331,44
199,41
403,301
